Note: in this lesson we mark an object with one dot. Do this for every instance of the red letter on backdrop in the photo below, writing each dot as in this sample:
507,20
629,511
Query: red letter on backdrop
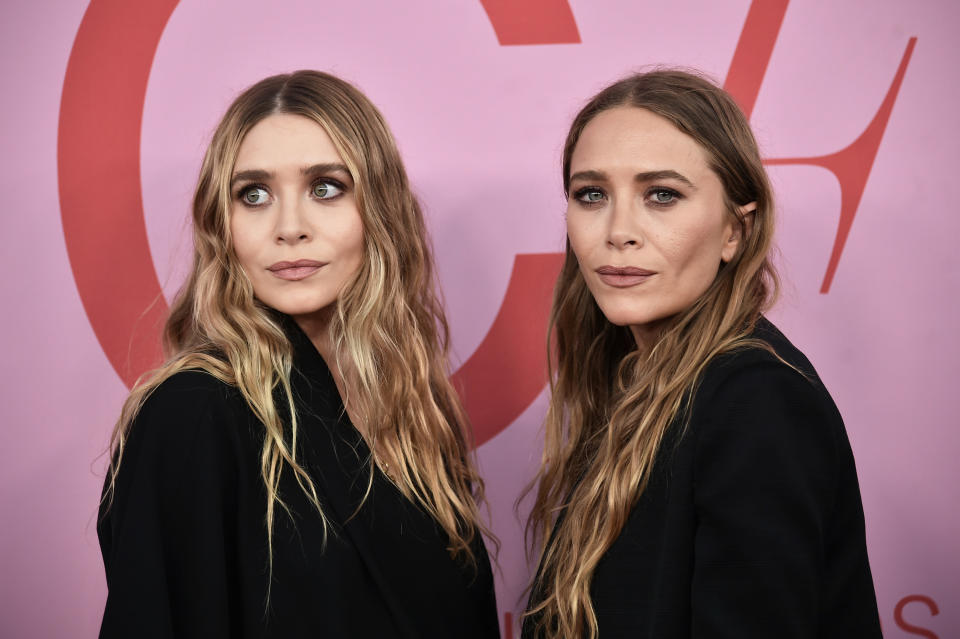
752,55
851,166
98,142
914,630
99,135
508,370
532,21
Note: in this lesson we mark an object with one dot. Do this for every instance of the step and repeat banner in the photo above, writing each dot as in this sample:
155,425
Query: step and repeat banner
109,104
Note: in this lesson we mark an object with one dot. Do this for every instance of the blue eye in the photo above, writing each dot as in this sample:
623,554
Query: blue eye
326,190
662,196
254,196
589,195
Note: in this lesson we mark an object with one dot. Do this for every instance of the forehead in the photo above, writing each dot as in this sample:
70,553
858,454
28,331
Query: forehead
636,140
285,139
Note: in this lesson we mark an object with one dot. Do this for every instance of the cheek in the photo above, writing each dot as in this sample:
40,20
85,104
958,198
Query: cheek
696,256
245,244
348,251
357,252
236,232
240,243
354,240
580,236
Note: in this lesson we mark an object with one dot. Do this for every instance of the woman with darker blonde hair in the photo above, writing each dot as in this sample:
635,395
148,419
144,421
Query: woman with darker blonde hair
696,480
300,466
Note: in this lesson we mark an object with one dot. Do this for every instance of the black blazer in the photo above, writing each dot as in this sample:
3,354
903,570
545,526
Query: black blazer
752,525
185,546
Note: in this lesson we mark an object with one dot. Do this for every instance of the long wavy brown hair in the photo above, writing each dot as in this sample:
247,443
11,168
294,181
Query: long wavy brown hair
612,402
388,328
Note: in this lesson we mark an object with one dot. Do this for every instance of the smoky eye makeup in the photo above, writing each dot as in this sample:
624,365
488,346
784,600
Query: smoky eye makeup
252,194
327,188
588,195
334,173
662,196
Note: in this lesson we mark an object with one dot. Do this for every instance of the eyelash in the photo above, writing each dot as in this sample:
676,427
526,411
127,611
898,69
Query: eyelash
580,193
242,191
675,196
337,184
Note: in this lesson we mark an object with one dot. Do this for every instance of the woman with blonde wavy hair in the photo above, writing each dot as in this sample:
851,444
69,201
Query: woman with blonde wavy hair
697,480
300,466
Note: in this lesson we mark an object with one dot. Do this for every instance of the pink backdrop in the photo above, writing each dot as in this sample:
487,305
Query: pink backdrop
479,96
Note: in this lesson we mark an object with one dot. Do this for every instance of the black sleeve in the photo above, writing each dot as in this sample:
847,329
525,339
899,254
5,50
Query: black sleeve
166,539
764,479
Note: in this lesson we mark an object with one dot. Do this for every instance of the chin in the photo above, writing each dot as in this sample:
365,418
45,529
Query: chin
296,308
623,315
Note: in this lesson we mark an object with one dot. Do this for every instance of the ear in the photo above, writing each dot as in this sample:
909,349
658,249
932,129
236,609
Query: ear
738,231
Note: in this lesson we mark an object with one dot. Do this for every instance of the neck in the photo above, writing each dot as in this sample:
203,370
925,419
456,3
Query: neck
316,326
646,335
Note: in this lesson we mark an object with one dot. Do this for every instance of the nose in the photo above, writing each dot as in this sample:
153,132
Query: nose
292,226
624,230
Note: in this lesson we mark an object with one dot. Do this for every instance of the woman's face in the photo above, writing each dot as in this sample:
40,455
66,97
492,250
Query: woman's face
294,219
645,218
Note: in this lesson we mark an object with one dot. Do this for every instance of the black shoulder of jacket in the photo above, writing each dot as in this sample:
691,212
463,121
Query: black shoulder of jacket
781,353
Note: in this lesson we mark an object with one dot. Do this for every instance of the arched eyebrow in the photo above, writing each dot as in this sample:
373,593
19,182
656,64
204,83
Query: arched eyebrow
646,176
326,168
259,175
667,174
251,175
589,176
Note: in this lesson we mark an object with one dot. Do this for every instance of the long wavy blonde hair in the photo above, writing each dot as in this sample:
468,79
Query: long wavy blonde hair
612,403
388,326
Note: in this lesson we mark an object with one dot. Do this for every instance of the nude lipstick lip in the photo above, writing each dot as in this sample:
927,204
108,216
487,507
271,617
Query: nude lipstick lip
624,276
294,271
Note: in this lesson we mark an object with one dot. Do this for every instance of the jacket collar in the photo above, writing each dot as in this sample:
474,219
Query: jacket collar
339,462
